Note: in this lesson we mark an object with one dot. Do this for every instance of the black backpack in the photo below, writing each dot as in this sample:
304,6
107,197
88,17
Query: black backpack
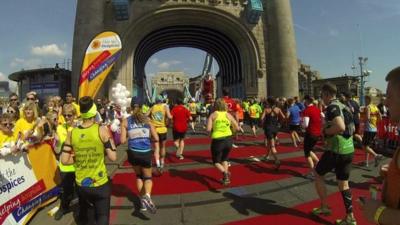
347,115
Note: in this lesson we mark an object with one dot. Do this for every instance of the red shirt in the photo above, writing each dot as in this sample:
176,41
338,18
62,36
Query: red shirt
181,116
230,103
314,125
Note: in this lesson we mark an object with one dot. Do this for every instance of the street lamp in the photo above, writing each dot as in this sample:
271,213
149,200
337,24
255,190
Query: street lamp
362,62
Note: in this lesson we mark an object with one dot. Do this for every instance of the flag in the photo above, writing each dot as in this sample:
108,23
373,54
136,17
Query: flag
100,57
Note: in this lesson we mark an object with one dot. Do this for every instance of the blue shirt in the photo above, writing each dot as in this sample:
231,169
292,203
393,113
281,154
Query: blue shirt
300,105
138,136
294,115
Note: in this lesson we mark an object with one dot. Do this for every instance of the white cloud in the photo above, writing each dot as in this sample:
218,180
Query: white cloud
154,61
164,66
48,50
167,64
175,62
25,63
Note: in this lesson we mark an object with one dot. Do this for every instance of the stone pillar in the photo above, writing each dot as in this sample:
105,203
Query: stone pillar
88,23
282,68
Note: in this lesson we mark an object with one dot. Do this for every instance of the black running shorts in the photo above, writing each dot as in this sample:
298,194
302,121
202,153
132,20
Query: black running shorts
309,143
220,149
162,137
142,159
178,135
368,138
331,161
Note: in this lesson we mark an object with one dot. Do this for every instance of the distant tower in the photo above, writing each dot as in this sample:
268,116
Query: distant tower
281,56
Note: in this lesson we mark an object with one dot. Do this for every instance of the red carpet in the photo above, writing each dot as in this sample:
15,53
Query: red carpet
204,156
301,213
207,140
187,181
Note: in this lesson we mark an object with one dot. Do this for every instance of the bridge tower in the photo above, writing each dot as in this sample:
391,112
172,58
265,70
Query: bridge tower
251,40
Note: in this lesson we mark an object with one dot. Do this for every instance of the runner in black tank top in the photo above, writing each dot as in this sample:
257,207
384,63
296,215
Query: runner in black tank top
270,119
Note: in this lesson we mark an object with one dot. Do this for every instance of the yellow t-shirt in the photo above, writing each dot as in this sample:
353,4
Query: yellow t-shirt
373,118
4,138
62,132
157,116
77,109
193,108
21,126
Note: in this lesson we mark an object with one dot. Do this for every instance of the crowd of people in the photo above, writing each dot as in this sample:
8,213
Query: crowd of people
82,134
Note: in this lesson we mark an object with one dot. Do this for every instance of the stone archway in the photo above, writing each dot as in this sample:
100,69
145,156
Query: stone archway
250,52
218,33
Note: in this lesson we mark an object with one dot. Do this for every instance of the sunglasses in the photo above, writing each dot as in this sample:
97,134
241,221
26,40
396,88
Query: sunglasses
68,115
28,99
10,111
13,99
6,124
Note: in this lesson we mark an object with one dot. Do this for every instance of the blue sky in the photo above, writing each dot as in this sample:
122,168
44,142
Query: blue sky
330,36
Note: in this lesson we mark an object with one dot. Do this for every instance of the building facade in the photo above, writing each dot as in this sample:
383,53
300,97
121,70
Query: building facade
306,78
45,82
350,84
171,83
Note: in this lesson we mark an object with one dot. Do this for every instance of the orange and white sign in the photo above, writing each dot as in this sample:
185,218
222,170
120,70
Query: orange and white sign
100,57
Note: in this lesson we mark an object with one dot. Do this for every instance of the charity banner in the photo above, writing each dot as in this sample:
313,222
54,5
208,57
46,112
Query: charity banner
28,182
99,59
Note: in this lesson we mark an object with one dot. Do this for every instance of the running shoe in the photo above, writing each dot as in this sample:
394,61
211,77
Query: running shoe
277,165
321,211
366,164
180,157
378,158
310,175
59,214
347,221
160,169
229,164
266,158
234,146
148,203
142,205
226,179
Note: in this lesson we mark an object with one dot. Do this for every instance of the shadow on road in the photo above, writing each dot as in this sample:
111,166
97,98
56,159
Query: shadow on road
194,176
124,192
244,205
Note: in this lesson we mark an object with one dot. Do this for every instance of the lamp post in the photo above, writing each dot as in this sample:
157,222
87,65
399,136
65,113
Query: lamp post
362,62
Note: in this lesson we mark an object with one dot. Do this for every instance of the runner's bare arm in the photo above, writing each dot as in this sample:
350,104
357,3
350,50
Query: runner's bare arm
233,122
368,114
153,133
123,131
263,116
210,122
168,113
281,114
337,127
108,142
67,154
